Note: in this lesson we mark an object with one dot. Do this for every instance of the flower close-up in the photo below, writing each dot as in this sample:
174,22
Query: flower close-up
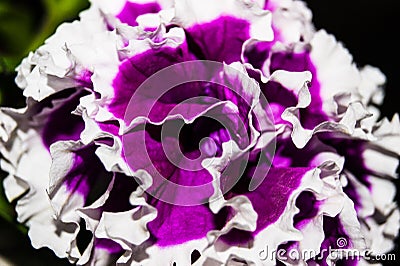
213,132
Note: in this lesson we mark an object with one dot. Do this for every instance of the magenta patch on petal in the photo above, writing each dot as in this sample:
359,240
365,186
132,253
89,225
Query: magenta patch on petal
77,178
308,209
178,224
131,11
145,150
84,79
269,200
287,151
61,124
87,172
352,150
276,93
335,238
313,114
257,53
219,40
274,192
174,223
109,245
268,5
351,191
134,71
110,127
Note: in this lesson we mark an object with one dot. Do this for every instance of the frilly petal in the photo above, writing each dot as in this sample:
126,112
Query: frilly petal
327,54
70,170
380,236
291,20
28,178
63,62
189,13
27,159
298,85
282,231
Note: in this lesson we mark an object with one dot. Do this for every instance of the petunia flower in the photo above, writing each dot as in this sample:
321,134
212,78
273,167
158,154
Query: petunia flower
200,132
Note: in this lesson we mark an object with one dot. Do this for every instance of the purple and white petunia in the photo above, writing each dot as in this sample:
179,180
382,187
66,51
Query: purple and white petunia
186,132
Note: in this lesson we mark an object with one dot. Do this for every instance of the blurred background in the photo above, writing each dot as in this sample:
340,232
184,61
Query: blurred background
368,29
24,25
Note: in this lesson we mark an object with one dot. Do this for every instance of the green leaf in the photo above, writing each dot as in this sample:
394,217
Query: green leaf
14,27
15,34
23,28
6,210
57,11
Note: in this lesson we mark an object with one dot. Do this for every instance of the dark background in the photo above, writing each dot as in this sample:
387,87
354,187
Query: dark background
369,29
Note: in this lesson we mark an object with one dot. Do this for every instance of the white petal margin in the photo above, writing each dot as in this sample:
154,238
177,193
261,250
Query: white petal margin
336,72
292,19
244,218
128,228
66,56
387,134
297,82
115,7
124,228
332,203
179,254
28,163
366,202
64,202
191,12
104,72
91,215
282,230
110,156
379,236
371,85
